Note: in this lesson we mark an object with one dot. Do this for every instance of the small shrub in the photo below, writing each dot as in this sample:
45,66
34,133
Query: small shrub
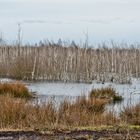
117,99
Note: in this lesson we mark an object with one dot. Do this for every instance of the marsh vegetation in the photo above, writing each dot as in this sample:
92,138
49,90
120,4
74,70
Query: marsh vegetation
72,63
19,113
17,90
108,94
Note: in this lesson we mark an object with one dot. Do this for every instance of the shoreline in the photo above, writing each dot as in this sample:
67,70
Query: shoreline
115,133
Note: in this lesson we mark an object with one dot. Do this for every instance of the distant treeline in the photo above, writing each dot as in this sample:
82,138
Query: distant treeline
54,62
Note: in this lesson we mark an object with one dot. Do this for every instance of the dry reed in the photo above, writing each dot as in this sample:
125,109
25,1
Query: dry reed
131,115
19,114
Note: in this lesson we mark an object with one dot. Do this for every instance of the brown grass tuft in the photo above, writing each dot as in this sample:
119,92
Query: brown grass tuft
18,90
107,94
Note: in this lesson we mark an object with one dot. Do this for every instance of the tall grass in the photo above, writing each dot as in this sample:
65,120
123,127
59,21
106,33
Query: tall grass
19,114
131,114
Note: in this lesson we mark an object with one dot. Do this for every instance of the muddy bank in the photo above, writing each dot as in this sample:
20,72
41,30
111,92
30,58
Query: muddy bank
71,135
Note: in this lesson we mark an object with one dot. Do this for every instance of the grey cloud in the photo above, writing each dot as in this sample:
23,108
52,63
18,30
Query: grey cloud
108,21
101,21
33,21
45,21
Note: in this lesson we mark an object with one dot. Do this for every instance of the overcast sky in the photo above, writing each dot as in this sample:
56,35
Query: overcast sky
68,19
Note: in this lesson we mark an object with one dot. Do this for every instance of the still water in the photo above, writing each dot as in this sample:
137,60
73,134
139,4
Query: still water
60,91
101,20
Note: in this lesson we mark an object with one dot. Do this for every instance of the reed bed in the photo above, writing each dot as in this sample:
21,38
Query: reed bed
19,114
71,63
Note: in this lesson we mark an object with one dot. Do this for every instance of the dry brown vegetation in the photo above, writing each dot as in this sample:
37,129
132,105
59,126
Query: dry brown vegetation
18,90
71,63
20,114
17,113
107,94
131,114
71,119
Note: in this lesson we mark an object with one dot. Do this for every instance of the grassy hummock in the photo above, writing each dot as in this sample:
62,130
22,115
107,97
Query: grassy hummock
17,90
107,93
